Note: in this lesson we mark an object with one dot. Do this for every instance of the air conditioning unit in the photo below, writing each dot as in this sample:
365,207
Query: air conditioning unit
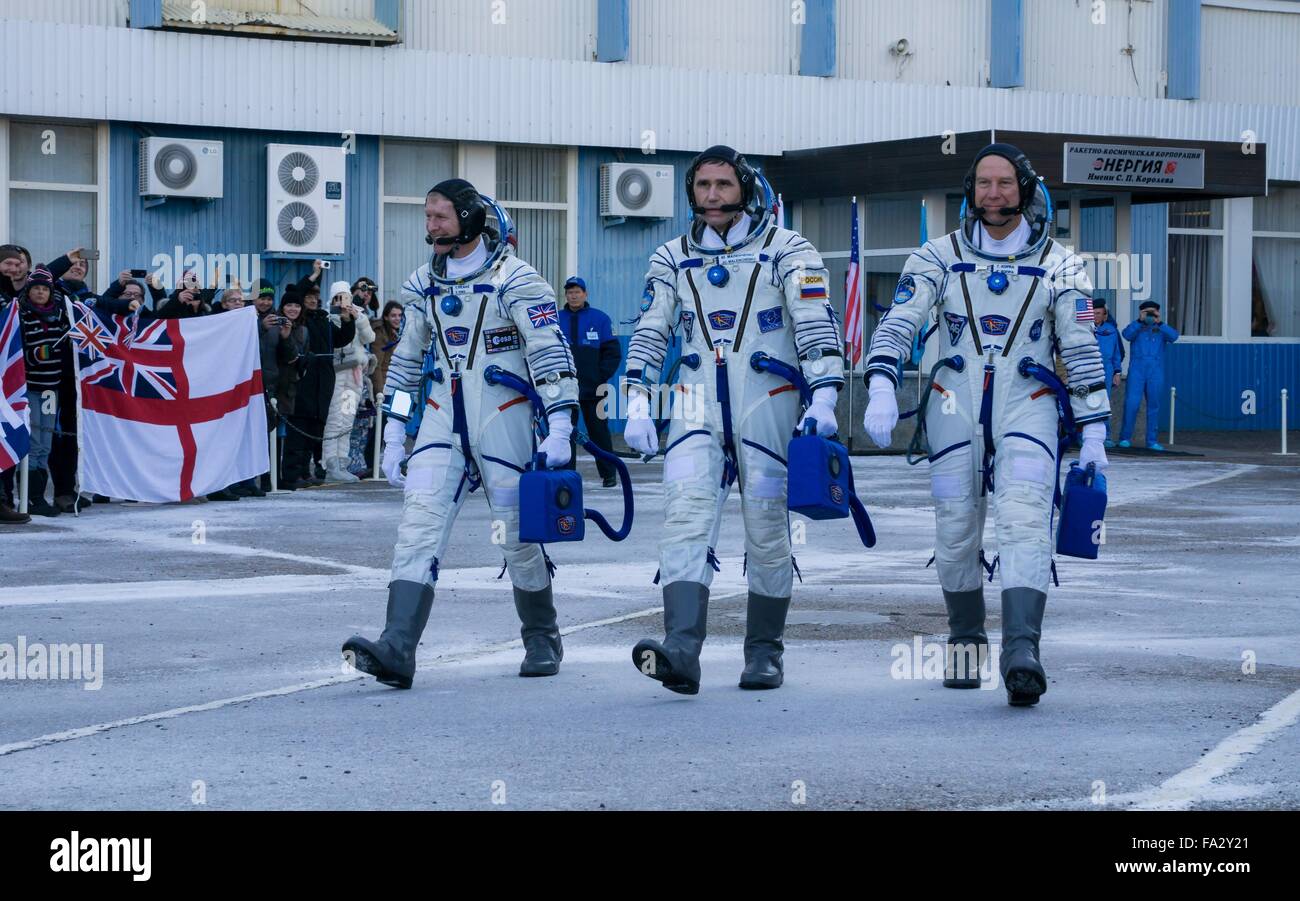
306,199
170,167
627,189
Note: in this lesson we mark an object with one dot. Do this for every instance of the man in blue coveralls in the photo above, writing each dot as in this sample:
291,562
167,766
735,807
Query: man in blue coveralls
597,354
1112,349
1147,338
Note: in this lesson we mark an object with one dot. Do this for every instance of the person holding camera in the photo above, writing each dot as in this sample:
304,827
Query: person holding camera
1147,337
189,299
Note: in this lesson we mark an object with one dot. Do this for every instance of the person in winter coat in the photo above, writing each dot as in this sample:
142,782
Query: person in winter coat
315,388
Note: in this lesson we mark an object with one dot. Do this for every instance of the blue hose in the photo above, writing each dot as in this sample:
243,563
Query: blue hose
495,375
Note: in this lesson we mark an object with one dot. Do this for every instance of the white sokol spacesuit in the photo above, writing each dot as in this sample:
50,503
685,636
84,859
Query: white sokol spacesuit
993,431
461,317
764,289
352,364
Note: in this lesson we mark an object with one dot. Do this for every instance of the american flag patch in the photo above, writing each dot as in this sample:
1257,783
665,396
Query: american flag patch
1083,310
543,314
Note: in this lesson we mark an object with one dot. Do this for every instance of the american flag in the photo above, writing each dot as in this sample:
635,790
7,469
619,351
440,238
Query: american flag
1083,310
15,433
853,299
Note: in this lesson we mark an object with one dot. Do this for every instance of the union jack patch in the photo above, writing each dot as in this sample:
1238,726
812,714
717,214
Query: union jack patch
543,314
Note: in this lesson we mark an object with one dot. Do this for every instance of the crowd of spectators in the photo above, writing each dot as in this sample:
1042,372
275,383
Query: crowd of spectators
323,366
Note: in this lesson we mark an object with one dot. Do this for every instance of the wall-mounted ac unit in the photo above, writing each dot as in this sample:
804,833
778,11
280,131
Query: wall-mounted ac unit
306,199
170,167
628,189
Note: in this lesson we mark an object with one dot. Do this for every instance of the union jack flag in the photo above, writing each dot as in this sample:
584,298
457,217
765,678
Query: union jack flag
15,433
126,354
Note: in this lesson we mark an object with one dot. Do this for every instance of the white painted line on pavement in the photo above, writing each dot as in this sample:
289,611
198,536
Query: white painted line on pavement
86,731
1181,791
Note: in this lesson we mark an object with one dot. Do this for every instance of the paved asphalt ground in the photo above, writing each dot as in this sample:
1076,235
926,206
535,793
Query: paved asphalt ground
222,682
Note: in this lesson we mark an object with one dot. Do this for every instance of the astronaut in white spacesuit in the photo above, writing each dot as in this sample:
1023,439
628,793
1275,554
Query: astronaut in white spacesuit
473,305
736,283
998,290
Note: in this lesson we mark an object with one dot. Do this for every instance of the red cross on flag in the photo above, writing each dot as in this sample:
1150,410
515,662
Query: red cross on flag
170,408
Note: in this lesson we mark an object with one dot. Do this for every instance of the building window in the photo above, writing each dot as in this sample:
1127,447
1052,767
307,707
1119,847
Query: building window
410,169
890,231
532,186
1195,305
53,189
1275,276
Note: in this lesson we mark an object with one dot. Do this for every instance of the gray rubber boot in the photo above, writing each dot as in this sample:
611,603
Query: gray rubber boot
676,661
764,627
968,643
543,650
391,659
1022,625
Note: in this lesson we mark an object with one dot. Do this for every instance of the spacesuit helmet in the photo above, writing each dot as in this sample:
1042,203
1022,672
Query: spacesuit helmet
1034,202
756,195
478,215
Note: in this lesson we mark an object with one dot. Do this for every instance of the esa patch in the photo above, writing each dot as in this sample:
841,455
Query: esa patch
688,323
457,337
994,325
1036,330
724,319
500,340
543,314
906,289
771,320
956,325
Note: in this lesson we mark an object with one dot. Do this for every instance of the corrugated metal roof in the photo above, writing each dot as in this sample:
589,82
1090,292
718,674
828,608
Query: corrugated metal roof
220,80
179,13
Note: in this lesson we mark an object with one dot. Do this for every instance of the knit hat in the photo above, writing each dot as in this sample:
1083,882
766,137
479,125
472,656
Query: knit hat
291,295
1099,303
41,276
1148,305
340,288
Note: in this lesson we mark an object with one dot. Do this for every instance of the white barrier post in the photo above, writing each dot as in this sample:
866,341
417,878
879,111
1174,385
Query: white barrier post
379,440
1173,402
1284,450
275,450
22,486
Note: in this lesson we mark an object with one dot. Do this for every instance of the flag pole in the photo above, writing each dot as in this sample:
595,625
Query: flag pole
22,485
848,343
76,377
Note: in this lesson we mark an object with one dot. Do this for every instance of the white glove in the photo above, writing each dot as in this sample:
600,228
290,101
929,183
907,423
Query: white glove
822,409
882,411
1094,447
640,433
556,444
394,452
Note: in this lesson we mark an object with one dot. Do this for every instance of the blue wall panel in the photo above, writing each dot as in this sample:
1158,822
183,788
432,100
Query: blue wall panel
1183,50
613,260
235,224
817,50
1210,379
1007,66
612,23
